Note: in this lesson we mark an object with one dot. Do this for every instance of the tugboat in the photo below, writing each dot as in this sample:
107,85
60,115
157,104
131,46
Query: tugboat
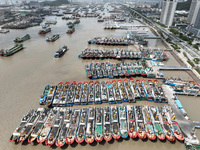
22,126
48,125
90,130
80,135
44,31
53,38
39,125
107,124
44,95
115,122
123,121
132,128
51,139
73,126
60,52
22,39
12,50
61,140
99,125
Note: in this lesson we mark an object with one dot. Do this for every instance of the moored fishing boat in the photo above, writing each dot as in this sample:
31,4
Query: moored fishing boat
111,98
140,122
73,126
115,122
64,94
50,95
97,92
107,124
39,125
21,127
90,129
104,94
123,121
99,125
44,94
84,96
91,93
22,39
78,92
117,95
57,95
53,38
80,135
71,94
177,132
132,128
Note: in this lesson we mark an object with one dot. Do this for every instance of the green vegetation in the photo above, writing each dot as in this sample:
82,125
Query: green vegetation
174,31
55,3
184,5
190,62
184,54
196,60
197,70
196,47
162,25
185,38
178,50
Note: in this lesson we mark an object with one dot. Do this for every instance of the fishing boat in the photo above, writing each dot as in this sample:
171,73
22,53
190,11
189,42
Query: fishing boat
51,139
148,124
123,91
116,91
21,127
104,94
136,90
44,31
45,25
129,90
78,92
71,94
57,95
156,123
71,133
50,95
70,31
90,129
115,122
111,98
132,128
80,135
140,122
60,52
107,124
91,93
84,98
29,126
14,49
53,38
39,125
123,121
99,125
48,125
97,92
22,39
177,132
44,95
64,94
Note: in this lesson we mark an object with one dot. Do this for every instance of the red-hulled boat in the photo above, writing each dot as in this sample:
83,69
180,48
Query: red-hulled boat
44,31
177,132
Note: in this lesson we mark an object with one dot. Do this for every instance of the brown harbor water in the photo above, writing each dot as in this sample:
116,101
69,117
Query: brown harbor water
24,75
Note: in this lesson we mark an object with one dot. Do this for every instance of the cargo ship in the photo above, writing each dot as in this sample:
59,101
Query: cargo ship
44,31
22,39
53,38
14,49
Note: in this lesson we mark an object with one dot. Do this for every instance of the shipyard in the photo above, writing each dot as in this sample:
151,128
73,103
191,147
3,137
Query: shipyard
82,75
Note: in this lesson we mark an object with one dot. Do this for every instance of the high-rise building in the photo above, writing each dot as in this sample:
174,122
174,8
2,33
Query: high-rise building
167,12
194,9
197,20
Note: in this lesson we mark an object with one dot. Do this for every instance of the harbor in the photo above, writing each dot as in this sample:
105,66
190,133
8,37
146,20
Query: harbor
31,69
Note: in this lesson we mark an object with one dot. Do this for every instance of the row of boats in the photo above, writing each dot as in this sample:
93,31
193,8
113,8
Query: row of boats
183,87
123,54
123,69
109,41
69,94
62,126
71,25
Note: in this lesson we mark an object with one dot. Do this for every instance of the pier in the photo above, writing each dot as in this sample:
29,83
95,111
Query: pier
187,126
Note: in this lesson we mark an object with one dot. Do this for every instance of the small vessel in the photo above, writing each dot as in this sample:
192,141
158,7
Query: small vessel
60,52
64,94
22,39
111,98
115,122
78,91
117,94
44,31
21,127
132,128
123,121
53,38
177,132
140,122
80,135
71,133
97,92
39,125
45,25
14,49
44,95
84,96
91,93
104,94
71,94
4,31
70,30
90,129
107,124
99,125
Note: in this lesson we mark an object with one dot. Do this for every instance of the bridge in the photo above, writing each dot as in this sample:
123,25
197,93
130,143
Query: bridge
173,68
152,37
